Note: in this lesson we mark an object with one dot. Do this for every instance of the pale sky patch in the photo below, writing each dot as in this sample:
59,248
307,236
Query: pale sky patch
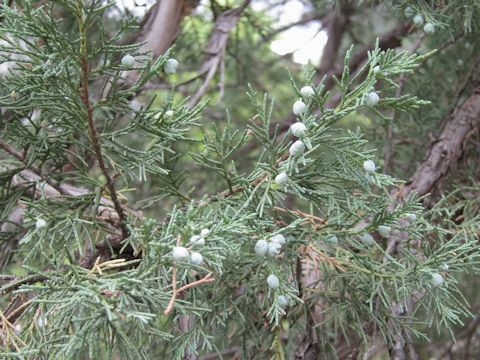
304,42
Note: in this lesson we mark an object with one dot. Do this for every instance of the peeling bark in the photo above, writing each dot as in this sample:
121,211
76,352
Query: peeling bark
215,49
161,25
448,148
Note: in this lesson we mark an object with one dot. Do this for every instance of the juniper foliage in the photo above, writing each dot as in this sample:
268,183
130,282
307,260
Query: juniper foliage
83,149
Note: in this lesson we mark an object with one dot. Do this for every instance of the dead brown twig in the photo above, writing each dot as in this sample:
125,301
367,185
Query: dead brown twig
329,260
7,331
314,220
175,292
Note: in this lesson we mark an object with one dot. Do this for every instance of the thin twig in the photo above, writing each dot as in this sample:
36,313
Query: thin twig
5,325
175,292
8,277
305,19
84,93
327,259
13,315
17,283
315,220
110,264
215,49
11,150
212,356
21,157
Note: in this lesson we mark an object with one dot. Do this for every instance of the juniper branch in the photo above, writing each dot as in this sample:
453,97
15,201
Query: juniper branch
91,124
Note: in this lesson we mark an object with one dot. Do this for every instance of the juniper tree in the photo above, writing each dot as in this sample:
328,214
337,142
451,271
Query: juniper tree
308,245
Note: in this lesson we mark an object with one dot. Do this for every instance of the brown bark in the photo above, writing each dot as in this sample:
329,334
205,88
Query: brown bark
215,49
159,29
162,24
305,19
92,131
337,25
448,148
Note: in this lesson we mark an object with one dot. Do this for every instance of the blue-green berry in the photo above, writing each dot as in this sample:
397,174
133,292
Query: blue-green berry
274,249
279,238
307,91
128,61
297,148
196,258
281,179
197,240
332,240
298,129
180,253
299,107
170,66
437,279
261,248
384,230
372,99
367,239
273,281
282,300
418,20
443,267
429,28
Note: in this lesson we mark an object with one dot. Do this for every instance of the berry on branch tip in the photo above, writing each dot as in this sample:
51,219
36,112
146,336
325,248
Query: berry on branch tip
279,239
372,99
261,248
197,240
274,249
298,129
443,267
369,166
307,91
437,279
170,66
367,239
418,20
40,223
429,28
332,240
299,107
384,230
411,217
273,281
196,258
128,61
297,148
281,179
282,301
180,253
409,12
